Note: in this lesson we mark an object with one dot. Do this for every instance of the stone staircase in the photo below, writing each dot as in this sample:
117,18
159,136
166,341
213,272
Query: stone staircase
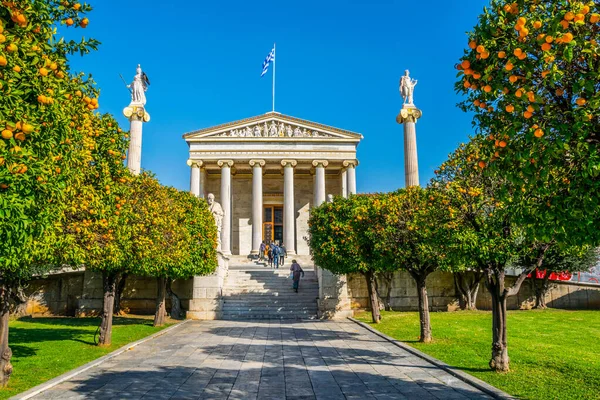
253,290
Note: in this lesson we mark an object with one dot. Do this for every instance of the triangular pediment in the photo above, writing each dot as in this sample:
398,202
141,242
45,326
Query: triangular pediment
272,126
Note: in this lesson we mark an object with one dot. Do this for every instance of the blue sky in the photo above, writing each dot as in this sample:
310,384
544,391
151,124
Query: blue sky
338,63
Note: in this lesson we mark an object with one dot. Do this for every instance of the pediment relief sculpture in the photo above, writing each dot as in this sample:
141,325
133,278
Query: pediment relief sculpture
273,129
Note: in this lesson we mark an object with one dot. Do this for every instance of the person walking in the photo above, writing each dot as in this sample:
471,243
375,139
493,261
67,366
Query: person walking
276,253
282,254
297,271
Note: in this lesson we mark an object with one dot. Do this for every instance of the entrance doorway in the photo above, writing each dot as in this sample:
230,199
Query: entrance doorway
273,224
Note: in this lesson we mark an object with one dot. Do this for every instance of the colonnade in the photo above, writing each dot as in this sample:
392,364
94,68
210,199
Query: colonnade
198,188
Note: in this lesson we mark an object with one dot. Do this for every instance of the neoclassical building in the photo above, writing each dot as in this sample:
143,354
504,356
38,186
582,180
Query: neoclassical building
267,172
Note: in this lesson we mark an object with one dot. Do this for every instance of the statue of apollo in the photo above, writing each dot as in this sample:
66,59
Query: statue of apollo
407,87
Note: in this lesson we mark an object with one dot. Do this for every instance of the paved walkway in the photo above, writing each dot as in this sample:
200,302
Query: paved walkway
266,360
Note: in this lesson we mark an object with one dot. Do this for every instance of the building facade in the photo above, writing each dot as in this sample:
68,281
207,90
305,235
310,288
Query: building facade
267,172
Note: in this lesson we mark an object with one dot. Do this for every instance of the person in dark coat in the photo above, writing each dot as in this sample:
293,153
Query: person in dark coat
297,271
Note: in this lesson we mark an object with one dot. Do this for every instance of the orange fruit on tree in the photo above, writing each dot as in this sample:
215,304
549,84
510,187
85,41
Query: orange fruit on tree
16,68
537,24
538,133
485,54
548,39
6,134
523,32
518,52
487,88
513,78
11,48
84,22
20,136
564,24
527,114
502,143
501,54
76,6
69,21
546,46
509,66
579,17
476,75
569,16
2,38
559,92
43,71
581,101
473,44
3,61
480,49
481,164
567,37
594,18
510,108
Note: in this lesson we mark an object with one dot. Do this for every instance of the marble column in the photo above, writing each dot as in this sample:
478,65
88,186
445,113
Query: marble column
320,166
195,179
257,204
289,212
344,176
137,115
351,172
408,117
226,205
202,189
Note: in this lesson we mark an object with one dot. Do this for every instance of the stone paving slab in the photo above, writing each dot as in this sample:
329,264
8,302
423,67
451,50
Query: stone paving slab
295,360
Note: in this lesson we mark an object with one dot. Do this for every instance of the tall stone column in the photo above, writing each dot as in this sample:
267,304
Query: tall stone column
257,204
351,172
195,178
137,115
289,212
344,176
202,182
226,205
408,117
320,166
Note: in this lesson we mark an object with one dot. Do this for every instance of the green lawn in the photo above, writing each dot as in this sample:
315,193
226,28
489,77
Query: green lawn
44,348
555,354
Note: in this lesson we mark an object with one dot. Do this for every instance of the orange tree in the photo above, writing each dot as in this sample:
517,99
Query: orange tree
342,239
531,76
486,232
414,237
173,236
39,148
97,231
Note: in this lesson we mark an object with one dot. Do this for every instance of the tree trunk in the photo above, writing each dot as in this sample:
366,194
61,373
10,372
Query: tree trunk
388,278
424,318
119,293
540,289
371,287
20,300
467,287
159,316
495,283
109,285
5,351
176,311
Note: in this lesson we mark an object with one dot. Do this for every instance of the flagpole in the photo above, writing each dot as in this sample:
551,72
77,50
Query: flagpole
274,61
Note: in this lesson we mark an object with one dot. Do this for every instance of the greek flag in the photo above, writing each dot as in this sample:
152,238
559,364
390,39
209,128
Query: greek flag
270,57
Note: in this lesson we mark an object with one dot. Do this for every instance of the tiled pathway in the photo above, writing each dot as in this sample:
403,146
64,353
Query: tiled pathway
266,360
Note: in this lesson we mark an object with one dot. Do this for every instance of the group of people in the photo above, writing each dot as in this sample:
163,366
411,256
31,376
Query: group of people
274,253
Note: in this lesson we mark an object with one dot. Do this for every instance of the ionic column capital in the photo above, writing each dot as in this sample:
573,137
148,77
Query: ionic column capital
289,163
225,163
195,163
348,163
409,114
261,163
323,163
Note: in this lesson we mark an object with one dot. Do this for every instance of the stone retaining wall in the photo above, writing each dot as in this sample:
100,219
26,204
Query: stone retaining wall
442,296
79,293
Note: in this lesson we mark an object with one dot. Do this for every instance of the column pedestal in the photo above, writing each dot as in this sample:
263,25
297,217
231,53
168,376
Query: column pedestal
207,293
